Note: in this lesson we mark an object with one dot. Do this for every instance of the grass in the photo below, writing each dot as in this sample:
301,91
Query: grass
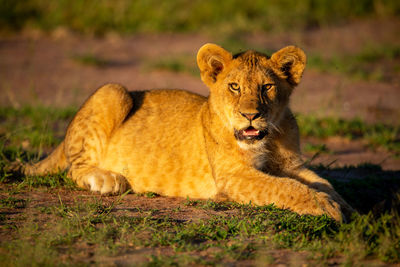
89,59
48,181
361,66
12,202
98,17
90,229
316,148
176,64
37,126
148,194
376,135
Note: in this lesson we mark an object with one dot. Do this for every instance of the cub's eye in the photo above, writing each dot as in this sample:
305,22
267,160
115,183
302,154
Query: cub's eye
267,86
234,87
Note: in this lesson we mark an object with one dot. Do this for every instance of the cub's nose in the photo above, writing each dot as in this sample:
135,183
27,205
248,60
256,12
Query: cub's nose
250,116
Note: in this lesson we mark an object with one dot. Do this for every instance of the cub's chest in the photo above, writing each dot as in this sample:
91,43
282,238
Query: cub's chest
268,160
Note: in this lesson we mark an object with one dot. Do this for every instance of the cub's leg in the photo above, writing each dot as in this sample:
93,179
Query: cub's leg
249,185
88,136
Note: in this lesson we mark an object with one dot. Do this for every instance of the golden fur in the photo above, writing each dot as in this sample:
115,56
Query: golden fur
177,143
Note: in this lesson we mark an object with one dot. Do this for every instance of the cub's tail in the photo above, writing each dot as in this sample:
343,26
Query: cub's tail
55,162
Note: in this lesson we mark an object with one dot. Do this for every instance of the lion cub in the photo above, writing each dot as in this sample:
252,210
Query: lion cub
241,143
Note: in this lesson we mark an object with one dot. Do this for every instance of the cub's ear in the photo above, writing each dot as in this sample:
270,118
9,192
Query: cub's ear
289,64
212,60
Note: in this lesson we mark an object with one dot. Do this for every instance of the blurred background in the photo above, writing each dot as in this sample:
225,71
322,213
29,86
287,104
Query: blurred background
56,53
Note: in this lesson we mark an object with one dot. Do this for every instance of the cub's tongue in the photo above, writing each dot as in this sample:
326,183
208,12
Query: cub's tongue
251,132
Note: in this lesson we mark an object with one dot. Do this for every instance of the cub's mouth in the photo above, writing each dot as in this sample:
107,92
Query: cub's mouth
250,134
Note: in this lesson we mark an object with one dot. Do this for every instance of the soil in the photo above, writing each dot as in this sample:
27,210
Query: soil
37,69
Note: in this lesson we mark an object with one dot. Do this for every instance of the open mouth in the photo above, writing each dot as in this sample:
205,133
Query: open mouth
250,133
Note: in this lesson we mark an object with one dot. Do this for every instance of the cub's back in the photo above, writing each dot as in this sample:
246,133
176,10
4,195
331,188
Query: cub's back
159,106
160,147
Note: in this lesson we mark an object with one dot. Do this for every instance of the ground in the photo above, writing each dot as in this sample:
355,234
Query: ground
353,72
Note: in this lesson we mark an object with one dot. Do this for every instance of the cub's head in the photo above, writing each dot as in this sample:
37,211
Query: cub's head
250,91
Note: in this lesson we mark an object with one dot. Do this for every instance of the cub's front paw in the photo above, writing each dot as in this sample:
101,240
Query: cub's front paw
322,203
106,182
317,203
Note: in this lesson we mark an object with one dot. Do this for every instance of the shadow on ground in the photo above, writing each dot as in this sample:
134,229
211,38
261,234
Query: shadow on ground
366,187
